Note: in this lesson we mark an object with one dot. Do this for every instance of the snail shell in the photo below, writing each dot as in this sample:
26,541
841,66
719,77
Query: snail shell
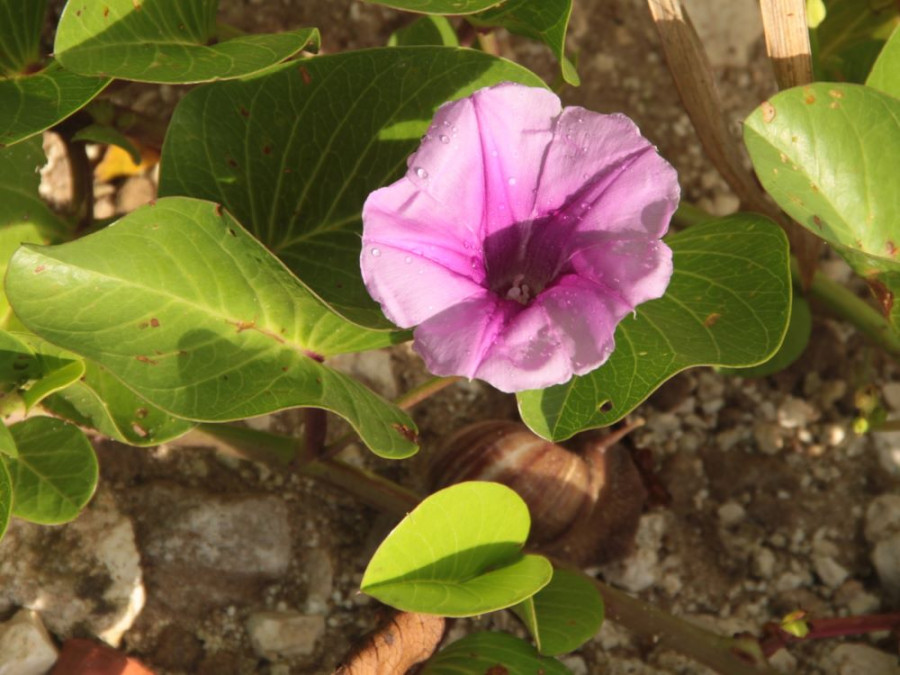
584,509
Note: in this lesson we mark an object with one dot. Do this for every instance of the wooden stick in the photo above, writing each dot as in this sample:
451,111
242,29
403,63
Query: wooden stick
787,41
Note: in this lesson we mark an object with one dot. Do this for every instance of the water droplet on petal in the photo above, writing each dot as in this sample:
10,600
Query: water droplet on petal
446,123
408,259
444,138
453,128
511,181
423,174
376,252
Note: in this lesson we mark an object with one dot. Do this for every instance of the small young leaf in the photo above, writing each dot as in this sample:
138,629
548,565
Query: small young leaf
826,152
99,401
7,443
459,553
294,153
55,474
728,304
165,41
488,653
426,30
6,497
31,369
33,103
545,21
564,614
181,304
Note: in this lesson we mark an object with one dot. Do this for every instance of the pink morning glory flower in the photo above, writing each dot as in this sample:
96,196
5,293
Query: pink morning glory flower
521,235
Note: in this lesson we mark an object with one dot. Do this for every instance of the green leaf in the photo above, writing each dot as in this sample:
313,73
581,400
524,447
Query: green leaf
165,41
488,653
815,13
727,304
179,302
426,30
458,553
795,341
564,614
6,497
20,34
29,104
438,6
31,369
294,153
55,474
851,36
885,75
99,401
545,21
827,153
97,133
7,446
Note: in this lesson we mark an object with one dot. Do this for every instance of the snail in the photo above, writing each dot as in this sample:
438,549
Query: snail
584,508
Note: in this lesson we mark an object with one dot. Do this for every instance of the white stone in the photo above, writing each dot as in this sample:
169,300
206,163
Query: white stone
858,659
25,646
886,560
764,563
768,438
731,513
575,664
784,662
887,448
373,367
830,571
95,583
891,392
882,517
276,635
794,413
641,569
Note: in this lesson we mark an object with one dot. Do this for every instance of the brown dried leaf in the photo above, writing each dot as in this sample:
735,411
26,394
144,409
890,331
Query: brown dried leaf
404,640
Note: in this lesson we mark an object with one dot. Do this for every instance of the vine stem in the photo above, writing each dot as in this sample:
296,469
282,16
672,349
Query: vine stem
735,656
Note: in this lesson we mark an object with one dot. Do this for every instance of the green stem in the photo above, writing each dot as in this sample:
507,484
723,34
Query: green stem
730,655
285,451
846,305
429,388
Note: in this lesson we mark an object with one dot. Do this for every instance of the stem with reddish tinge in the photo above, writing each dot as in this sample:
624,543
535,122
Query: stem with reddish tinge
429,388
830,628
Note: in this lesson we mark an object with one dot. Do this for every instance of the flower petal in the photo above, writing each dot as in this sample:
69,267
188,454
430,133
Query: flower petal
483,154
602,173
413,263
636,270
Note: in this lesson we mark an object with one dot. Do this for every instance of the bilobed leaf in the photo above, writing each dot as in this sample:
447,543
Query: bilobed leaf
181,304
727,304
294,153
20,34
438,6
459,553
564,614
885,75
29,104
55,473
6,497
484,653
100,401
545,21
827,153
426,30
164,41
